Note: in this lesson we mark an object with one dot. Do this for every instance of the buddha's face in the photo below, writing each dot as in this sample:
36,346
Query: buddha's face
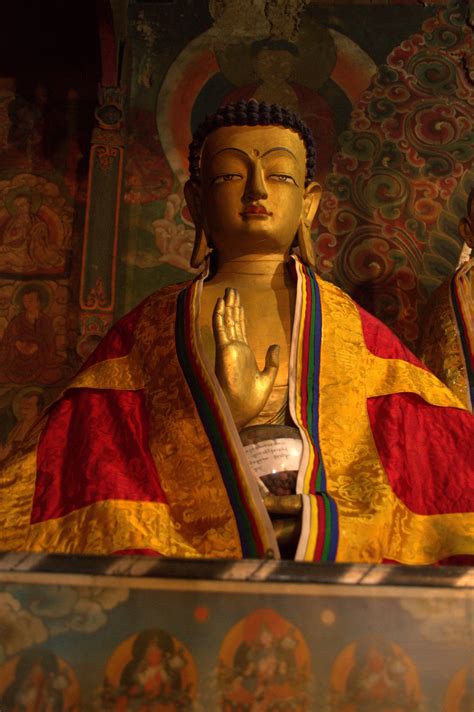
252,194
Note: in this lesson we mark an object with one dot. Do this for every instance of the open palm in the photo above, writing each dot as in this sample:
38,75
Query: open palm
245,386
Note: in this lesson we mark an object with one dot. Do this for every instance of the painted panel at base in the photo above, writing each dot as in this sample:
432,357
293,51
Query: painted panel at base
96,643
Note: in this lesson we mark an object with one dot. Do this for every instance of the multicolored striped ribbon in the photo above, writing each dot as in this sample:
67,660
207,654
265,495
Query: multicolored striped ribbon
320,530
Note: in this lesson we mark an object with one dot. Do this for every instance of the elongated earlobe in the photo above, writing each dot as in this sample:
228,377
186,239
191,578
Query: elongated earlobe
310,206
201,247
306,244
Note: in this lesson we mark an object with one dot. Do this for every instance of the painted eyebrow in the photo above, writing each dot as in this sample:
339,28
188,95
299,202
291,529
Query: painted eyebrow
279,148
270,150
231,148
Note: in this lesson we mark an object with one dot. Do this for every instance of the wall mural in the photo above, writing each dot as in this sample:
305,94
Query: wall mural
185,646
388,97
38,204
46,116
400,181
35,227
37,331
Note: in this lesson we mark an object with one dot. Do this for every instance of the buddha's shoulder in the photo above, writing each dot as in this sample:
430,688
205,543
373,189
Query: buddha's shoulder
332,291
152,308
163,296
346,313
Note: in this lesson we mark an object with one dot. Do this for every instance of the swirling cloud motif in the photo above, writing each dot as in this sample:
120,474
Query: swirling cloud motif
383,234
106,598
439,619
51,610
19,627
53,601
87,616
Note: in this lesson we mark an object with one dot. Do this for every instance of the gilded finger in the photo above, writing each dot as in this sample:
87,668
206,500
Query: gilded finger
229,324
243,329
236,314
218,326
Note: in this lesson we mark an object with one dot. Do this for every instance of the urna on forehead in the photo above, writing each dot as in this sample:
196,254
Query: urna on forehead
253,114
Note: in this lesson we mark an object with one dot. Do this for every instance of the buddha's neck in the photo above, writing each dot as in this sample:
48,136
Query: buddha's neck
254,271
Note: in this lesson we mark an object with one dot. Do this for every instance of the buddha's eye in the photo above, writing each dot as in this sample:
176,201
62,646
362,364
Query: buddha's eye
226,178
282,178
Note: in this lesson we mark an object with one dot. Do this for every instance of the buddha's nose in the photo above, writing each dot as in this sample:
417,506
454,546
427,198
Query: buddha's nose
255,186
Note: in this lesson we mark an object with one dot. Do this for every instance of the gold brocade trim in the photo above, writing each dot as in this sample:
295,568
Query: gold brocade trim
389,376
187,468
396,533
114,525
17,485
373,523
124,374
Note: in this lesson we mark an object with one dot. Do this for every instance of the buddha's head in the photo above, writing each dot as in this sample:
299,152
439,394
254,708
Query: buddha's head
251,190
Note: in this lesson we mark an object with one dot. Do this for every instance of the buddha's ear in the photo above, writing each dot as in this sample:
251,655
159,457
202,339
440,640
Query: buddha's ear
311,200
192,194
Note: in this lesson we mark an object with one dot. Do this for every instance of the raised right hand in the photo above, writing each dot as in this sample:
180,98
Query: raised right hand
246,387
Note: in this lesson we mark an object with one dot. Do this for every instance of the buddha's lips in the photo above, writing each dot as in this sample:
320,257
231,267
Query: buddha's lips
255,210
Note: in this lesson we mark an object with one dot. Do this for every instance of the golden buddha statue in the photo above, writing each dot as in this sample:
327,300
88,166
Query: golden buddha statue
447,338
252,188
154,446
